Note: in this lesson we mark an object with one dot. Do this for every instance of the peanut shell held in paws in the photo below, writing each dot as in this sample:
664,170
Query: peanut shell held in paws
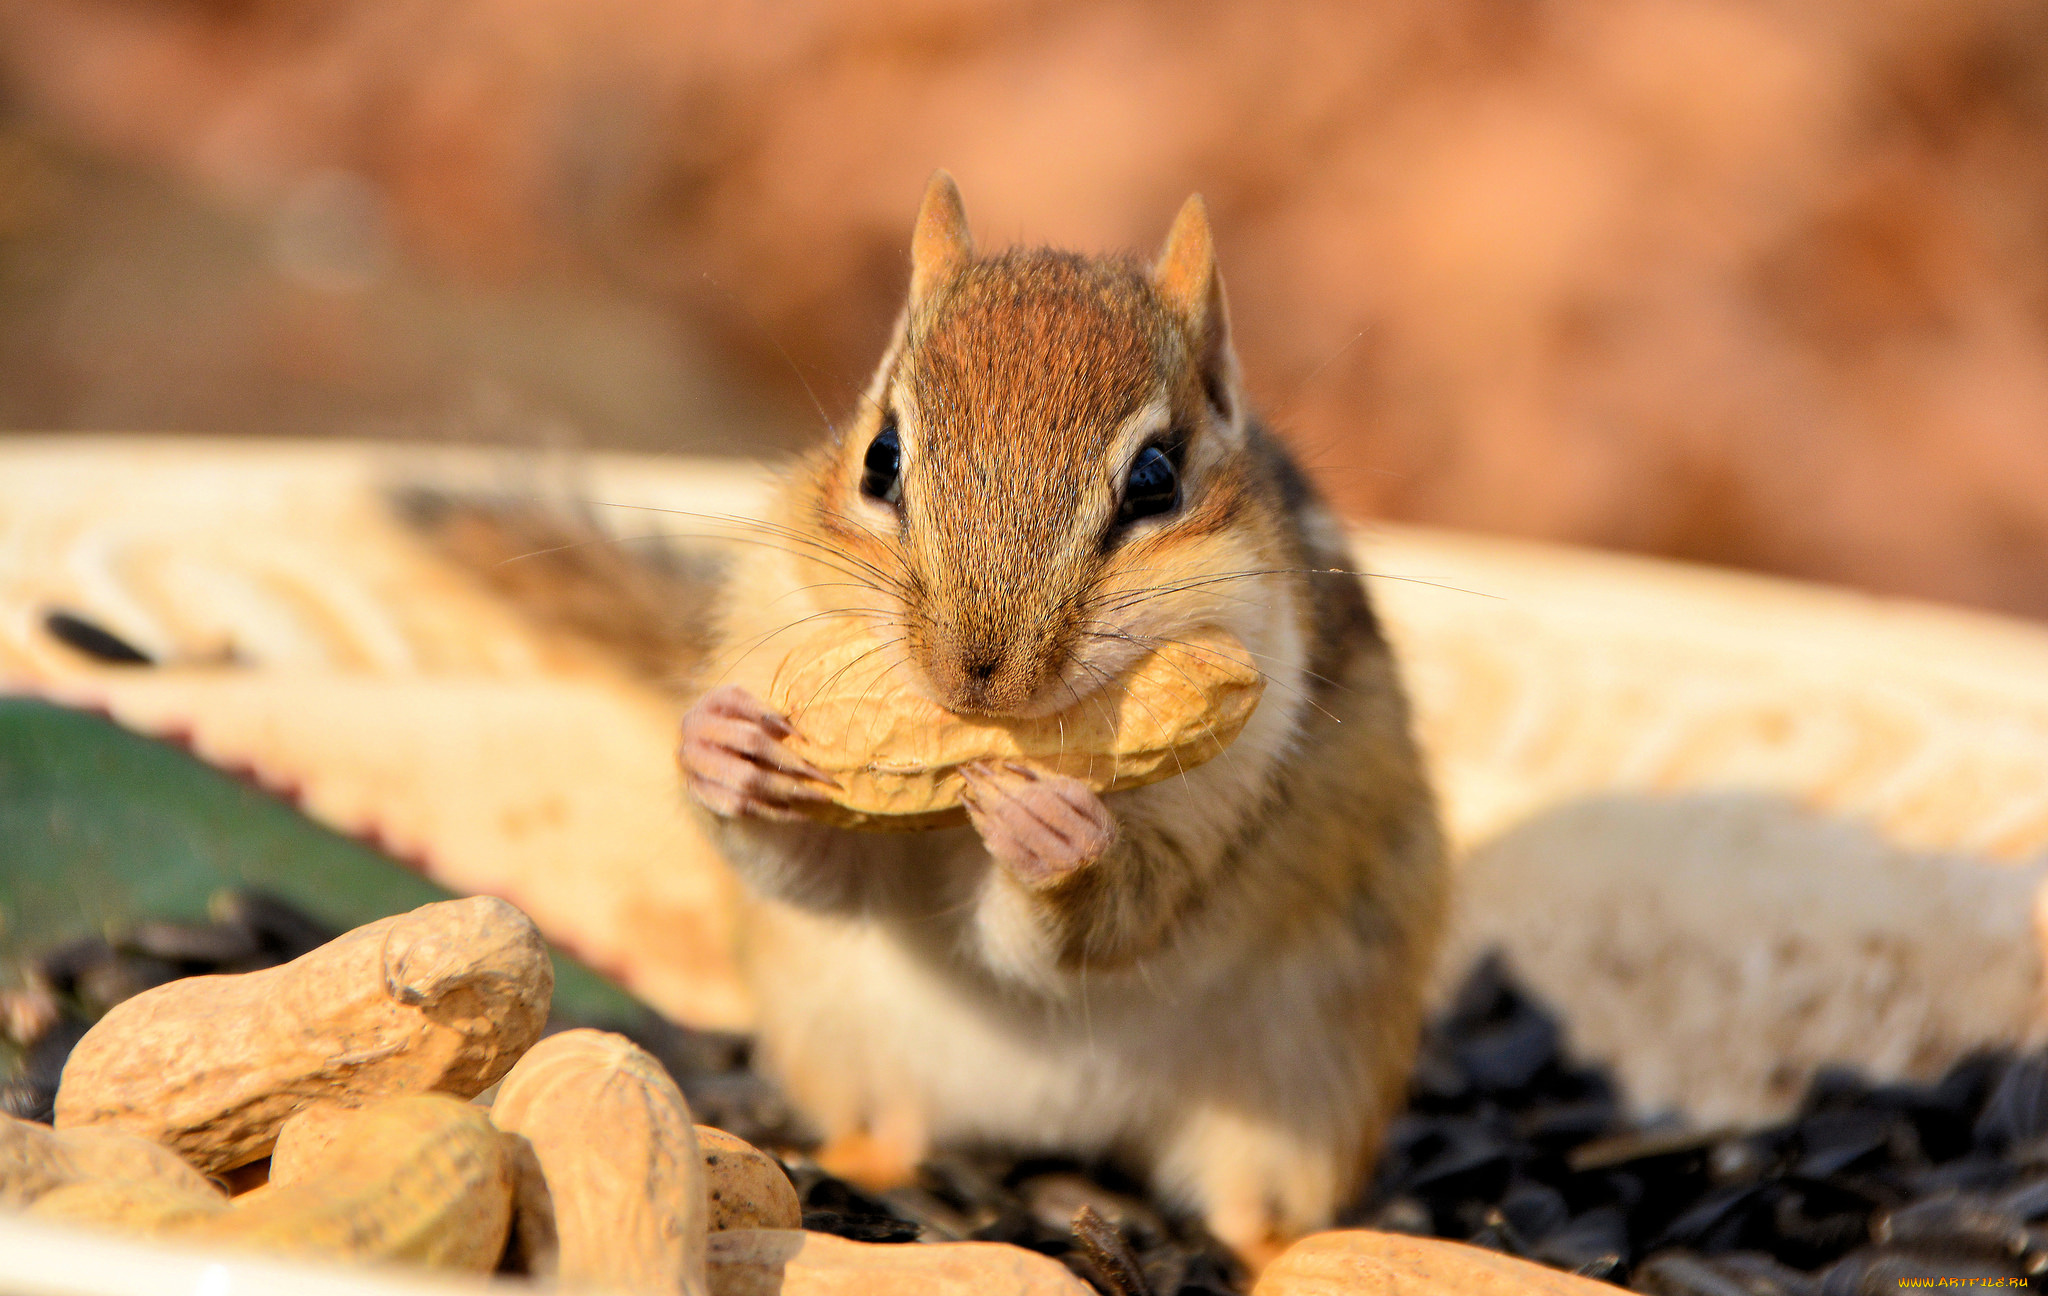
897,755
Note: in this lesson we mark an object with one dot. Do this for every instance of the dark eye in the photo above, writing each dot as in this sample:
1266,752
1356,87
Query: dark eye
1152,488
881,469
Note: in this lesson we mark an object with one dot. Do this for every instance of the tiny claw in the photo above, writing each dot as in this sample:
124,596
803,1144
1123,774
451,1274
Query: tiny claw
815,775
1021,770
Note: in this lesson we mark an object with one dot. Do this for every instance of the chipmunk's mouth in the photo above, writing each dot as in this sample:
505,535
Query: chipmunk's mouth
1072,681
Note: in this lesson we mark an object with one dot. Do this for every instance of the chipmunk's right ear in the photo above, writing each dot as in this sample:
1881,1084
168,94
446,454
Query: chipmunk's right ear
941,245
1187,279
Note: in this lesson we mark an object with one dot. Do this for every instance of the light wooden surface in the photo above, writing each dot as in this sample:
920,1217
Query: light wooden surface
1735,826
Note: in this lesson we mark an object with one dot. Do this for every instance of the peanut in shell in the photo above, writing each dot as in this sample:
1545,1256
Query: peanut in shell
424,1178
307,1140
791,1262
146,1207
622,1191
96,1152
896,754
746,1188
32,1162
441,999
36,1160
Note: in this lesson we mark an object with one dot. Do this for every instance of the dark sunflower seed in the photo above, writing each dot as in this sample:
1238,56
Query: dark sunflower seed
96,642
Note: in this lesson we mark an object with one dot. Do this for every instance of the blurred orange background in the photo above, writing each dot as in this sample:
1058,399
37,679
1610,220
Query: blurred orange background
1755,283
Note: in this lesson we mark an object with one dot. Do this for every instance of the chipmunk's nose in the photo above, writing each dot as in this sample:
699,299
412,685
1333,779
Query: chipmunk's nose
974,675
985,683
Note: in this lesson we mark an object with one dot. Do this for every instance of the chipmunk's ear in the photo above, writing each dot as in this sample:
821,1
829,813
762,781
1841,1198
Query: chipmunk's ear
1187,279
940,245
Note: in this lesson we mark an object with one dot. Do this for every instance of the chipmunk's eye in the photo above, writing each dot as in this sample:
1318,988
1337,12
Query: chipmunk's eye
1152,488
881,471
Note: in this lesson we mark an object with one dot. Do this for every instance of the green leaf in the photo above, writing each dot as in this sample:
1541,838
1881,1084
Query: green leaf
100,827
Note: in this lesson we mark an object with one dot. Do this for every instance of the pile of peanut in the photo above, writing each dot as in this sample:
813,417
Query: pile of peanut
330,1108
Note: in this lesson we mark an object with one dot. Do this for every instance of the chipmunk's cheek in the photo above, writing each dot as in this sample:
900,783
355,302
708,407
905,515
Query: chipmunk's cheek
1041,827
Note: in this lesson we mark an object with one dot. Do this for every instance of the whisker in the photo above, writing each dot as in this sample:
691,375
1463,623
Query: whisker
1153,641
1128,599
823,585
1221,747
777,529
1253,573
858,658
1112,632
1181,770
829,556
763,330
1329,360
1267,676
861,702
551,549
826,560
757,642
792,533
1101,706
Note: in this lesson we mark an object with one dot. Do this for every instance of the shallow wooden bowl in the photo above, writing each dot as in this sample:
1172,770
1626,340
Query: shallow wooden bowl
1735,827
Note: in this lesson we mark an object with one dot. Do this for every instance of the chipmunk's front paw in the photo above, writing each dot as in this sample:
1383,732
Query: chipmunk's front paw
735,760
1041,826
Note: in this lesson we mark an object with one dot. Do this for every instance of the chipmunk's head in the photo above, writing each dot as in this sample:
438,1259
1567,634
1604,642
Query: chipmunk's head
1049,461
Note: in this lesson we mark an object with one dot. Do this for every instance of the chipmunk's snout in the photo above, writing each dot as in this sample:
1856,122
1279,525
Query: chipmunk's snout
977,669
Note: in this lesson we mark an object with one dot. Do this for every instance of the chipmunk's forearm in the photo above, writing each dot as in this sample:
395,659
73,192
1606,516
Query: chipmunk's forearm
805,864
1121,906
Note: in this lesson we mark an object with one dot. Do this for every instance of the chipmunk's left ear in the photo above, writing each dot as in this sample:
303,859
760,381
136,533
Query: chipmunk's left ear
1186,277
940,246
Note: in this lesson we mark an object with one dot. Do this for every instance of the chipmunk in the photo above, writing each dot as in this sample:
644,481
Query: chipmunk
1217,977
